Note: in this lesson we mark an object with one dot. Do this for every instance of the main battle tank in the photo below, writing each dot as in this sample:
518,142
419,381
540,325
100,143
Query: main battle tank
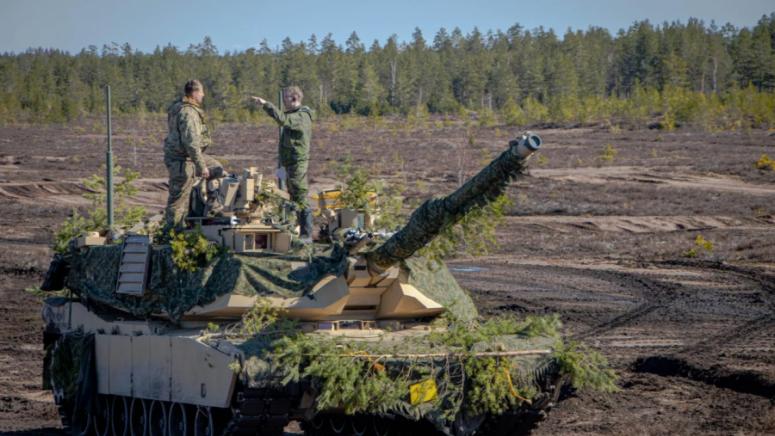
355,336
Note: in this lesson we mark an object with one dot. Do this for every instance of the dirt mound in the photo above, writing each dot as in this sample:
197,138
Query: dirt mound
63,192
628,174
641,224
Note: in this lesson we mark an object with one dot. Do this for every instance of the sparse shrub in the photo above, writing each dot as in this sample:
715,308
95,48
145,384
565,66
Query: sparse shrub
535,112
417,116
639,107
359,190
512,114
701,245
95,219
486,118
609,153
564,109
765,163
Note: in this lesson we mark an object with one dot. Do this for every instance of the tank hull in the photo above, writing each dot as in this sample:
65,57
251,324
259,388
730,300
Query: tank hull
114,372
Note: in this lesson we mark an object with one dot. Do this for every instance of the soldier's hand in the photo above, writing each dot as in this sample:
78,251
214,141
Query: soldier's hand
258,100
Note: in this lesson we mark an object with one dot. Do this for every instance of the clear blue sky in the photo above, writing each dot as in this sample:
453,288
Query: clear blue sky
238,25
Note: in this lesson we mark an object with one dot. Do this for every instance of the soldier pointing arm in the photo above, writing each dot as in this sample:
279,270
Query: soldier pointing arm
296,124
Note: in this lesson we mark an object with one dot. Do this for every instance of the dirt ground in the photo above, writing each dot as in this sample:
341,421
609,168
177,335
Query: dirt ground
602,242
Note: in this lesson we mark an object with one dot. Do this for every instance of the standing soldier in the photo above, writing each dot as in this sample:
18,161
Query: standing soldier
295,135
184,148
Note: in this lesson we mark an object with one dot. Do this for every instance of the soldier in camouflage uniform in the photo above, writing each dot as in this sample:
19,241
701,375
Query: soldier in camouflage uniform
184,148
295,136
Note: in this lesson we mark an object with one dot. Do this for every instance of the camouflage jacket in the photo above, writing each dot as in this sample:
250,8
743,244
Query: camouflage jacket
295,135
188,135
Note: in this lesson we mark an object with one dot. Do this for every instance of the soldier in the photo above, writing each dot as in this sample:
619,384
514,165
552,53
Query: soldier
184,148
295,135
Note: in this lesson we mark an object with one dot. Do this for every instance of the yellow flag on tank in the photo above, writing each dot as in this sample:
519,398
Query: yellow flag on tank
422,392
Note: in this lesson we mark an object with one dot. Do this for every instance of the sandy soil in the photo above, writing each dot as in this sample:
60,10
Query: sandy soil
602,243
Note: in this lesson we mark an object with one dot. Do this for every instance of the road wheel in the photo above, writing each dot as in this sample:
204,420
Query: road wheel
178,420
138,417
157,419
204,424
338,424
119,412
101,416
82,421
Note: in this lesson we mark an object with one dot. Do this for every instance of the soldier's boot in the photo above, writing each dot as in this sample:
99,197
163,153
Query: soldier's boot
305,225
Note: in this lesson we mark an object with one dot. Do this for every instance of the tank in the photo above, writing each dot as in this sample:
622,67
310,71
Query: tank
358,335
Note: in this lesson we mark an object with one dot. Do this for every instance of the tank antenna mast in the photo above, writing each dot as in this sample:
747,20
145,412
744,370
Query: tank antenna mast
109,163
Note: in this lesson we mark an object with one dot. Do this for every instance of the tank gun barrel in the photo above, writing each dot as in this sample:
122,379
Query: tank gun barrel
435,214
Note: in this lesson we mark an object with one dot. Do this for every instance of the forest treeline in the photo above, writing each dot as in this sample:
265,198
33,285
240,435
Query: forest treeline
717,76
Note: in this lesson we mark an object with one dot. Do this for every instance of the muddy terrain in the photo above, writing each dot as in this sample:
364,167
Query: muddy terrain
602,235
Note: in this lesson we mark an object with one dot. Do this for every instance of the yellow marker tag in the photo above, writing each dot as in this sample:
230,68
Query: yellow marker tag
422,392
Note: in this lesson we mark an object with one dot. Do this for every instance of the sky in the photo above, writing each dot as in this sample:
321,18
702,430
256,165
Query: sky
238,25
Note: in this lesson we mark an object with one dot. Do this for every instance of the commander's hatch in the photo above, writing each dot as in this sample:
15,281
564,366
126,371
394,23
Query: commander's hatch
133,269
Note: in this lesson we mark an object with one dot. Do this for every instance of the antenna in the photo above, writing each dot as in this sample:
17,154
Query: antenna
280,180
109,163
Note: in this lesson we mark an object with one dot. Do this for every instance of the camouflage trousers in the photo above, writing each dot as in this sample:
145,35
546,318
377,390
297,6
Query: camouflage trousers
297,183
183,177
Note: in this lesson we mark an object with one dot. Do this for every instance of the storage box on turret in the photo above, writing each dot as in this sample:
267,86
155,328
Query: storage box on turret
90,239
255,238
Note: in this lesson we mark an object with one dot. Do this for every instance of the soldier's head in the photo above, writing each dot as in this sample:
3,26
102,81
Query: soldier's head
292,97
194,91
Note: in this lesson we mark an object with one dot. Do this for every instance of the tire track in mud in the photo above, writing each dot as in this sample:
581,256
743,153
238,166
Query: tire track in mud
691,362
652,293
740,332
655,293
766,281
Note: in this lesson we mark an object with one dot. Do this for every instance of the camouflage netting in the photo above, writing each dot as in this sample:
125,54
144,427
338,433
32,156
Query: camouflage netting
94,272
72,371
436,282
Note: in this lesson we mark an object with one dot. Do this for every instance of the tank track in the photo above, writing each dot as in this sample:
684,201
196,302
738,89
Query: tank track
266,412
333,424
255,412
